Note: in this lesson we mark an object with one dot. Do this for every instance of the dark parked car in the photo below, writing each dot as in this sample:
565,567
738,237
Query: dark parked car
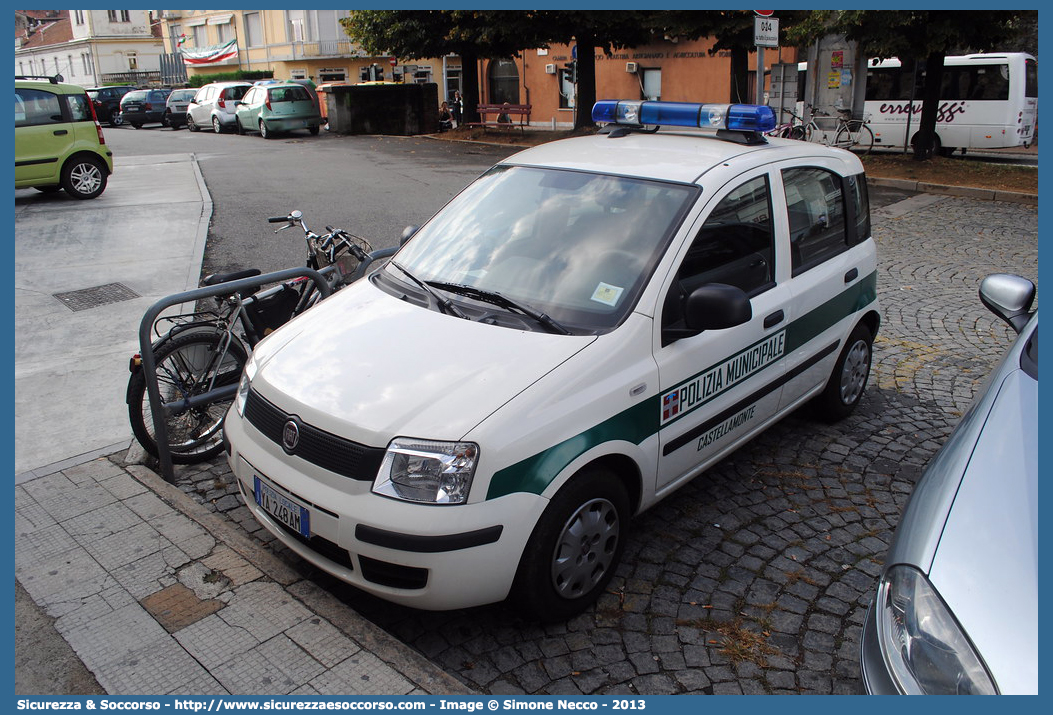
144,106
108,102
178,101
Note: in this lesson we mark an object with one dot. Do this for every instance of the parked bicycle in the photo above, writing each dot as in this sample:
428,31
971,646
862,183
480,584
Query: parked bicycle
841,131
206,349
793,129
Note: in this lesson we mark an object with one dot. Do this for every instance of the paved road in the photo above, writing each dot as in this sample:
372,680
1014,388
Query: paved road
755,577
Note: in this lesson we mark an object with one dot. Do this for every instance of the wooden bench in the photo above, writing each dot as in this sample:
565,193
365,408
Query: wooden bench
512,110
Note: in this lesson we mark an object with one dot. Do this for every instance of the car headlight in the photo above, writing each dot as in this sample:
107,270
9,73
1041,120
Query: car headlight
243,387
924,649
421,470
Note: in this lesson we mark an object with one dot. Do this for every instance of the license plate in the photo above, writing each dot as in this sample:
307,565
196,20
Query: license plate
293,515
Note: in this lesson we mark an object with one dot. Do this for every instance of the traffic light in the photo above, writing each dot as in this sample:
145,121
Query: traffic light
572,71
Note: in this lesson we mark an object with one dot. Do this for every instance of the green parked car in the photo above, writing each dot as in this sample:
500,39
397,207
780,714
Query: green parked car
58,139
274,108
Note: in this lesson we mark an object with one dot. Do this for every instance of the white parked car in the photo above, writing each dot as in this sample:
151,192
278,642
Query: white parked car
578,333
213,106
957,606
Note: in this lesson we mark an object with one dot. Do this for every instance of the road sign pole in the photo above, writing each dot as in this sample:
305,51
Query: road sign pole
760,74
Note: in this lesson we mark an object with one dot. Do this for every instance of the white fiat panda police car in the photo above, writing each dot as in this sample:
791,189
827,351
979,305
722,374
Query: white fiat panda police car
586,327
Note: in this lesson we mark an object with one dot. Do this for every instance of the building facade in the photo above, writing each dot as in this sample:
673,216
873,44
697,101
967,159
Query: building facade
89,47
312,44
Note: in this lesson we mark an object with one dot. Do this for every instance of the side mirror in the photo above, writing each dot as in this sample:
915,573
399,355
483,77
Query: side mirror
1009,297
407,234
716,306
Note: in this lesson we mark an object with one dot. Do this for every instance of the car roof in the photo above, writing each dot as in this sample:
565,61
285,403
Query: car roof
681,156
58,87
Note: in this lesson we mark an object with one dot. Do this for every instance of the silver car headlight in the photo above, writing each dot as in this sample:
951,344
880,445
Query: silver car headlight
427,471
924,649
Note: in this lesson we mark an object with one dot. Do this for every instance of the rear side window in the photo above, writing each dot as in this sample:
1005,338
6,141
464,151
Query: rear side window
816,211
857,191
234,92
135,97
34,107
79,108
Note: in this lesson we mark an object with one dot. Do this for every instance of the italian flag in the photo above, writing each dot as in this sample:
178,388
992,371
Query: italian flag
211,54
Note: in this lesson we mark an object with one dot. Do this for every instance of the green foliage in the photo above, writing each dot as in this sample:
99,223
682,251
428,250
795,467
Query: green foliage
200,80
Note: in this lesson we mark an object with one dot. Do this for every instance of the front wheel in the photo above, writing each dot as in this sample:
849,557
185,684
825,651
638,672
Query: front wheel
190,125
314,131
187,365
84,177
848,381
855,136
575,547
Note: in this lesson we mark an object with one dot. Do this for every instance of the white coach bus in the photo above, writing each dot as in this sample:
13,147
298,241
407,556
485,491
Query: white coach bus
988,101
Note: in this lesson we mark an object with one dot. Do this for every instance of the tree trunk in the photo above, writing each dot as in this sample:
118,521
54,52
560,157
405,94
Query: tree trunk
586,89
926,137
470,83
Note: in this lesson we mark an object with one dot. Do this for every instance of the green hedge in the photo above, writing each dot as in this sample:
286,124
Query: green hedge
201,80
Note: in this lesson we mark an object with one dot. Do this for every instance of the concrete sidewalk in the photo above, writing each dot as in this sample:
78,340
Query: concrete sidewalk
85,273
158,596
154,594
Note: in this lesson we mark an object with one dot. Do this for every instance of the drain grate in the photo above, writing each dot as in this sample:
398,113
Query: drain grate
94,297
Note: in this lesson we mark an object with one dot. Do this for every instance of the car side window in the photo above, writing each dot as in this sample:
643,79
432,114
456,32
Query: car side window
735,246
34,107
816,211
857,188
79,109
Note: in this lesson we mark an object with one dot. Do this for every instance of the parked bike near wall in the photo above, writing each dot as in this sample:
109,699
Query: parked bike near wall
198,352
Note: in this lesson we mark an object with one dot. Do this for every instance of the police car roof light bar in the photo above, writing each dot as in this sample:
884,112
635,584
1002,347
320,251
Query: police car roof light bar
726,117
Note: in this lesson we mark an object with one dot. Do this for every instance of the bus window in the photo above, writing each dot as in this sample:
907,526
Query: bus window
1031,80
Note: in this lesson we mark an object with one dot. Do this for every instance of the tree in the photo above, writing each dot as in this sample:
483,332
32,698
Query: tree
925,36
418,34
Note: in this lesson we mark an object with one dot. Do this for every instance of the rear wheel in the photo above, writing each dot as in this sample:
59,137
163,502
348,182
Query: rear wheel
575,547
855,136
314,131
216,126
237,125
166,119
84,177
264,132
187,365
116,119
136,125
848,381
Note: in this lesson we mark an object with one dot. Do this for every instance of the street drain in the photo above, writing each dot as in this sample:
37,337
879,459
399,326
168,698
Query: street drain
94,297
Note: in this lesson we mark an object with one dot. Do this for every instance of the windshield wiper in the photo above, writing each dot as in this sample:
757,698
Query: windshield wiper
495,298
445,304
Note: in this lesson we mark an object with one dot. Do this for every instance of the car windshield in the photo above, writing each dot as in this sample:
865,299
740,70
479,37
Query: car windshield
577,246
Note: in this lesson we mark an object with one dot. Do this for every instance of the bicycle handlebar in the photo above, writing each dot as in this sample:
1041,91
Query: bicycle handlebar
277,219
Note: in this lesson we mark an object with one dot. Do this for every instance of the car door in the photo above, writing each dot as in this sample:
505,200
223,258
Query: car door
720,386
43,134
198,109
249,108
833,266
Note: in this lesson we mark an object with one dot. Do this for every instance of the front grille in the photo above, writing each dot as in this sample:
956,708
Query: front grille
336,454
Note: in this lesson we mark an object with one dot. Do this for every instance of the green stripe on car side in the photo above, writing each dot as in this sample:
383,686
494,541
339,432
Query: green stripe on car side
533,474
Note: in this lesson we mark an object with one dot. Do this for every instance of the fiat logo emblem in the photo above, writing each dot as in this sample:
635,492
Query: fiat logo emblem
290,435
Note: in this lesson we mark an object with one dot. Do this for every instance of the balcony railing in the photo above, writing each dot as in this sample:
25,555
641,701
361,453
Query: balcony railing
139,79
326,48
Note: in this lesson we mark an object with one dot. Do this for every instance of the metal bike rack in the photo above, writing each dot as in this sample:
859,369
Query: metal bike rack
164,453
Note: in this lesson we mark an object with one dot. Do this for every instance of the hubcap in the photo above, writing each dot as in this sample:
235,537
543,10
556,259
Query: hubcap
585,548
854,374
86,178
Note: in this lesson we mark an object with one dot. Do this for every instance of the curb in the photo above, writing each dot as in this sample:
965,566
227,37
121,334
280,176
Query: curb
964,191
412,665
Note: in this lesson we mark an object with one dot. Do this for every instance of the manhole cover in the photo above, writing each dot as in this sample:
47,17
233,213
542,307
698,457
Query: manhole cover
94,297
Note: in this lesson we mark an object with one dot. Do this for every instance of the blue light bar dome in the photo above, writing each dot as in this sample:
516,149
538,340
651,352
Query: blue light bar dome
733,117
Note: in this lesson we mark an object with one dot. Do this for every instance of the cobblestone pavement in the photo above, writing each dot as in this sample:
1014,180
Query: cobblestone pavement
755,578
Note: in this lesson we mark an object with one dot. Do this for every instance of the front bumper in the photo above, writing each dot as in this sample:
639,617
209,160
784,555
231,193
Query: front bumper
424,556
876,678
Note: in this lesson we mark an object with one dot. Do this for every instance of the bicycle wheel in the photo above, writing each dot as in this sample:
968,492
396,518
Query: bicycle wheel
855,136
799,132
187,365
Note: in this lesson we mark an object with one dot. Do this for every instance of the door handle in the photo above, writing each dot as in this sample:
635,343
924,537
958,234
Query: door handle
851,275
773,319
60,132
